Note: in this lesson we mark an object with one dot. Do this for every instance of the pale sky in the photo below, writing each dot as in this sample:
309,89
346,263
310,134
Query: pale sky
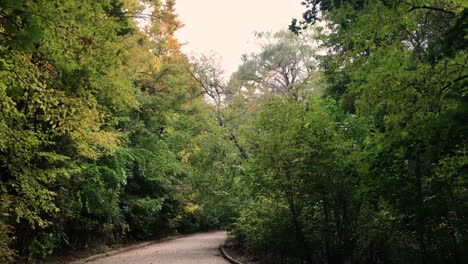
227,26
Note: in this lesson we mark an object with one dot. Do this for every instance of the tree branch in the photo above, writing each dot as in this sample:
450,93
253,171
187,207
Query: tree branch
433,8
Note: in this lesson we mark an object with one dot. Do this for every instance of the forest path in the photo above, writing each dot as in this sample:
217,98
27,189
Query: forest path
198,248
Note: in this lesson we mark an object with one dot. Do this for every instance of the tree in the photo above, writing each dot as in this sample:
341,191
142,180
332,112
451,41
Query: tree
84,96
208,74
382,65
286,65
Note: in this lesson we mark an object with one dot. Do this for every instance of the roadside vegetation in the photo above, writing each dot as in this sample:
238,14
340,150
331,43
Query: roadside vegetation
343,140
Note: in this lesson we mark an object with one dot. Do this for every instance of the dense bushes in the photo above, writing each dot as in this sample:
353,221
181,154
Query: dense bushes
375,170
95,118
354,155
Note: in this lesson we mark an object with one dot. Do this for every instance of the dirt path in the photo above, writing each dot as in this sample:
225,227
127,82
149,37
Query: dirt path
199,248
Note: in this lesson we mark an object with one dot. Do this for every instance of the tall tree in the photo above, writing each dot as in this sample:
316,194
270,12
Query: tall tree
286,65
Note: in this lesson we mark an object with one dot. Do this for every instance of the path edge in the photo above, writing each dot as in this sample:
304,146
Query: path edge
229,258
125,249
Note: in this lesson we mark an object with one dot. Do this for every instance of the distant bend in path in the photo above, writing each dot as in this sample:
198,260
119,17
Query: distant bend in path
198,248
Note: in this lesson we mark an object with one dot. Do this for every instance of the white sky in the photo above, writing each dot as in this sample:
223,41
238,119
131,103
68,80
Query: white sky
227,26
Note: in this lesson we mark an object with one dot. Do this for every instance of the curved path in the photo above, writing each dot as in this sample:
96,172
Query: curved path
198,248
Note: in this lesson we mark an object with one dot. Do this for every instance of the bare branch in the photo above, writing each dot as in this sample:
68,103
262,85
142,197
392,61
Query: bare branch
433,8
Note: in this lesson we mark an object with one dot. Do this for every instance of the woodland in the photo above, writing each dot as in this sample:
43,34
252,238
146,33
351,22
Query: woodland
343,140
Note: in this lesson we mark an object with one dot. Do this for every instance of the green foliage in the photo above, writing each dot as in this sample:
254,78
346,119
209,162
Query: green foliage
85,97
376,174
286,65
265,225
359,155
385,186
143,216
301,163
7,254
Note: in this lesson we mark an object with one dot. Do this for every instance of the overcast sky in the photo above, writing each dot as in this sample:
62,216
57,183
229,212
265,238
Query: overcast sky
226,26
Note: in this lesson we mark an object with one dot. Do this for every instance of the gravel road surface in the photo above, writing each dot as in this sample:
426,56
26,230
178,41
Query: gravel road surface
198,248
